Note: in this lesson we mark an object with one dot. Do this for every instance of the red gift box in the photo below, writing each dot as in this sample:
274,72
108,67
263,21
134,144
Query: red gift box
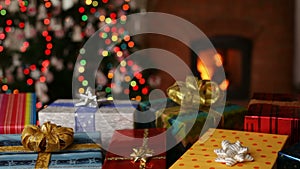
124,141
16,111
274,125
274,119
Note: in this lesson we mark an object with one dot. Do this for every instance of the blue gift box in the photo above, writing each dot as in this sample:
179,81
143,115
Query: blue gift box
82,158
289,158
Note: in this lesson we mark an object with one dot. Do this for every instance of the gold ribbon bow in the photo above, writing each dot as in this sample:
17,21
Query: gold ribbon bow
142,153
46,139
194,92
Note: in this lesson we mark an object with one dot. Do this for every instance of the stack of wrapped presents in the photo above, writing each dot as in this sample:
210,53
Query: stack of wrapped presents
184,130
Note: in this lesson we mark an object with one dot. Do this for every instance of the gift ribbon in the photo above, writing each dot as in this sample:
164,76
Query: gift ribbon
46,139
140,154
87,99
231,153
43,158
82,116
194,92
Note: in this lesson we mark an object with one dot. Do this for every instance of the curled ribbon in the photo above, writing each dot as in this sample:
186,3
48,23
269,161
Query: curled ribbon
194,92
231,153
48,138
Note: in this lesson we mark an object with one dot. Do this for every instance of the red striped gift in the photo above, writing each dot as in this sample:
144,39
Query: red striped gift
16,111
275,114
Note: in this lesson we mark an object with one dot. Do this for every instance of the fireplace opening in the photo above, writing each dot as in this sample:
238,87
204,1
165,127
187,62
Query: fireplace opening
233,53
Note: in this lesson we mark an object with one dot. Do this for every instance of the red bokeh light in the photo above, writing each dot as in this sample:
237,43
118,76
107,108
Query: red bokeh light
26,71
42,79
29,81
145,91
81,9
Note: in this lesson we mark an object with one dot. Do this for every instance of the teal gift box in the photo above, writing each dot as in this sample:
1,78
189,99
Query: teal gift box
187,127
84,152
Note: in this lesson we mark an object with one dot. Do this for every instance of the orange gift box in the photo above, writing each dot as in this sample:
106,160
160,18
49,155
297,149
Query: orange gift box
262,147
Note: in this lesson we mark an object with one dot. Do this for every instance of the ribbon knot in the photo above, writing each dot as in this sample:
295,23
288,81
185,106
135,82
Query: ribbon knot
232,153
87,99
142,153
47,138
195,92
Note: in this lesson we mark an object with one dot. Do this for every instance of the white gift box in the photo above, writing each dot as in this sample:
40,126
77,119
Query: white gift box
108,118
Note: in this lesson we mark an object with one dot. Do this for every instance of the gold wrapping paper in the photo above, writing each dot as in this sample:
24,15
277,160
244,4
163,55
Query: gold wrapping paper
194,92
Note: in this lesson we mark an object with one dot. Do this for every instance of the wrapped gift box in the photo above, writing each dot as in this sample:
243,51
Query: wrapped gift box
123,142
106,119
279,99
289,158
60,112
13,155
275,119
287,97
16,111
233,118
263,147
146,110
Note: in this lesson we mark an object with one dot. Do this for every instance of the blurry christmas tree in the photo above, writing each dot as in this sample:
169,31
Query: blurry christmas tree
40,41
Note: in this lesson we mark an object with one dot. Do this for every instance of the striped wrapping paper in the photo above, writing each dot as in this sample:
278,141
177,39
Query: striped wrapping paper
16,111
274,119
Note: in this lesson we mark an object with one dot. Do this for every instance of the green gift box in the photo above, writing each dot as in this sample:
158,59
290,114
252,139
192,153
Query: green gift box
186,126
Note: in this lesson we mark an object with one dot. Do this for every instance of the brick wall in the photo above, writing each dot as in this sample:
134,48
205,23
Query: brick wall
269,23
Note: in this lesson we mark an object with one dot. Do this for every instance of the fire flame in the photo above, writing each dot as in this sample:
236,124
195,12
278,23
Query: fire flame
203,70
206,72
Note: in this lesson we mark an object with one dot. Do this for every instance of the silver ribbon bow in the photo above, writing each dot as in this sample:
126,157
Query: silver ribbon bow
232,153
87,99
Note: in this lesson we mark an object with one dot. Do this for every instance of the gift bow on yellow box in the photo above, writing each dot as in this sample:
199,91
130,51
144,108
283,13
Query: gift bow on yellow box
46,139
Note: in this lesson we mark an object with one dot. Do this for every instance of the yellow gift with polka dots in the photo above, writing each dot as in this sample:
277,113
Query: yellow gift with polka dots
262,147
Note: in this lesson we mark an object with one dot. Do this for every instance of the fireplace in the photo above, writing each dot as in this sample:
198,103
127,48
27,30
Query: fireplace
234,54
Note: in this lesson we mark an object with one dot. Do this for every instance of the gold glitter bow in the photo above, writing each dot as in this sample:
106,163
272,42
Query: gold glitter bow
194,92
48,138
231,153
